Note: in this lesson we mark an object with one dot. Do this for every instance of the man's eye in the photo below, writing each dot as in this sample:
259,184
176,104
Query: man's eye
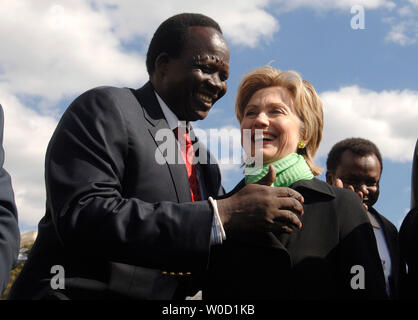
349,182
371,184
205,68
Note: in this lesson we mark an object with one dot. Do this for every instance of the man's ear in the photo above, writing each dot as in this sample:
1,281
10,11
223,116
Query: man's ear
329,177
161,63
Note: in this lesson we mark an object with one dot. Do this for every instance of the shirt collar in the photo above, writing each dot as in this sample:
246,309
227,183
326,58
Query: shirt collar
172,120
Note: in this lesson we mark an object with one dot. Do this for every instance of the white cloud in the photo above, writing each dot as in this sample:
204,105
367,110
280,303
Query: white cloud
404,26
51,50
243,22
327,5
26,135
388,118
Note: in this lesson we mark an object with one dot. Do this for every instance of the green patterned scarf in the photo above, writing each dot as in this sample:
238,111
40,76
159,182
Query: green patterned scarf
289,169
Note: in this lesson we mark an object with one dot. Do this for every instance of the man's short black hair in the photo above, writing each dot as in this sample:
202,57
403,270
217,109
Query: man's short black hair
171,35
359,146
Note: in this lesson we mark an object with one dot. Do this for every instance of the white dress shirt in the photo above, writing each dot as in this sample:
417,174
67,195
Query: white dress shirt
216,236
383,249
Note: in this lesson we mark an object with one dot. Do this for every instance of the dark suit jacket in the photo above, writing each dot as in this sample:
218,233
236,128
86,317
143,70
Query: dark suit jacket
312,263
119,223
398,265
408,237
9,230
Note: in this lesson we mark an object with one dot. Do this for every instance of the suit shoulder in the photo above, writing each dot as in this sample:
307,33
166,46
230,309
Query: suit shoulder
105,92
349,209
103,100
386,222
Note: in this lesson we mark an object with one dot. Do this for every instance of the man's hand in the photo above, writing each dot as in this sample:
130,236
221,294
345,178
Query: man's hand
339,183
259,207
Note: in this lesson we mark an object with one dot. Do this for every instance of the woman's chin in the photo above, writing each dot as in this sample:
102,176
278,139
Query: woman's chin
270,159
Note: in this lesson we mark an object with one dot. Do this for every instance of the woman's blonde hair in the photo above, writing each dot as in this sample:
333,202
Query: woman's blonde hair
307,104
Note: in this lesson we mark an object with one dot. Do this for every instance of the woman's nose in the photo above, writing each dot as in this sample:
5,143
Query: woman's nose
262,120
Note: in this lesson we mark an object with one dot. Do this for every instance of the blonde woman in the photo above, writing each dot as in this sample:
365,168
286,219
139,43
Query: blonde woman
333,254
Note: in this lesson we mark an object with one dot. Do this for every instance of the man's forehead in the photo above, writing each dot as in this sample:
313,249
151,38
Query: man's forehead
353,162
205,38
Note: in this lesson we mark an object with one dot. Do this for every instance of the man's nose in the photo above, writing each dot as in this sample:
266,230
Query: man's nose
216,82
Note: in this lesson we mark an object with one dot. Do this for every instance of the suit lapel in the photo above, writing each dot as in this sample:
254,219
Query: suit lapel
390,241
154,115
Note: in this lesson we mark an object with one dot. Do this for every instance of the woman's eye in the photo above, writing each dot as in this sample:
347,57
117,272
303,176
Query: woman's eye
278,111
250,113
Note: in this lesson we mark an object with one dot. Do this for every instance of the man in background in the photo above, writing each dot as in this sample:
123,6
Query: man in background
356,164
9,230
408,234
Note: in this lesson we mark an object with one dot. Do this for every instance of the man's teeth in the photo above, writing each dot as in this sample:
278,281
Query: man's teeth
204,97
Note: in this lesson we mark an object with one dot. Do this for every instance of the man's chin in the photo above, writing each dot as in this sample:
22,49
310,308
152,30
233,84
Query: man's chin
369,203
200,115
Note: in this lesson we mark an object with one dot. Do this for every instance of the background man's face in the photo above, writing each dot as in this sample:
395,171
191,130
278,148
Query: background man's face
195,80
361,172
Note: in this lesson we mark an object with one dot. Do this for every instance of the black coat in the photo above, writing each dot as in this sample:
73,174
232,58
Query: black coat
9,229
119,223
408,236
313,263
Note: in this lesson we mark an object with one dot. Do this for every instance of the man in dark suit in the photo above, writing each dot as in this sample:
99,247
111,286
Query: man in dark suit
9,230
123,219
408,234
356,164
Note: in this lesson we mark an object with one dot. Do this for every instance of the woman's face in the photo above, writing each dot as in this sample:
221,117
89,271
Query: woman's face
271,111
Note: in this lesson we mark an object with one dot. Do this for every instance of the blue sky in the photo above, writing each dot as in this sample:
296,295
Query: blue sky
366,78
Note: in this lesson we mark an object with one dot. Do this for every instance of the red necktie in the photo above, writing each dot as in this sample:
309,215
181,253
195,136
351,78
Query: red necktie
187,152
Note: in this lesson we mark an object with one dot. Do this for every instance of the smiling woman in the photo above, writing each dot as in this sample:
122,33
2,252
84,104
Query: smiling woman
311,259
285,104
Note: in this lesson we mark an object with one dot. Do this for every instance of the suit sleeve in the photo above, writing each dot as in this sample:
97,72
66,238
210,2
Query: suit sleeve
9,230
85,168
360,266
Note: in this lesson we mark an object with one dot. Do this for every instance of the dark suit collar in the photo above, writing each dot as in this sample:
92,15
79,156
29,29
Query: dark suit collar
152,110
154,115
314,188
391,236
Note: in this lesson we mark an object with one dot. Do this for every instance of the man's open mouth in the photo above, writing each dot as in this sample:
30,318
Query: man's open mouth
207,99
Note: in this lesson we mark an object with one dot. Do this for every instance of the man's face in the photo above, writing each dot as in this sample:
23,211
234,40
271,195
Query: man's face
195,80
361,172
